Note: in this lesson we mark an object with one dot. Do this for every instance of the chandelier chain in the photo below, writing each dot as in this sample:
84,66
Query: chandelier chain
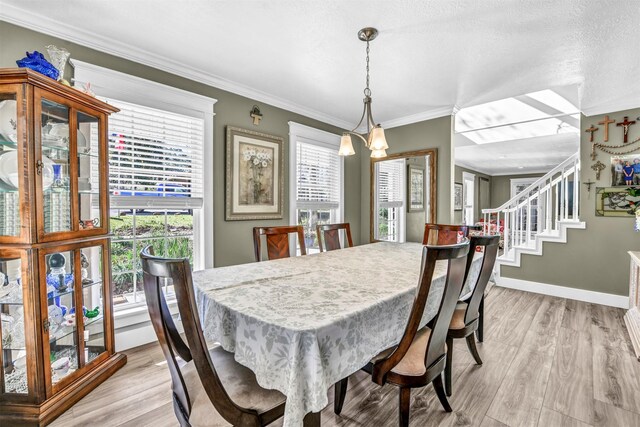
367,91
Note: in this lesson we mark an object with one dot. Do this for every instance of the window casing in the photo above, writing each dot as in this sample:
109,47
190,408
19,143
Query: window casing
316,183
161,174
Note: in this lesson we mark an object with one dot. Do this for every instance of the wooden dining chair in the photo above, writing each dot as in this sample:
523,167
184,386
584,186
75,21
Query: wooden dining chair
277,241
330,233
209,387
468,312
444,234
419,358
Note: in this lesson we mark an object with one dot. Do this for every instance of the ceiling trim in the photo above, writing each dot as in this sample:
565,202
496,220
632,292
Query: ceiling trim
492,173
612,107
32,21
419,117
471,167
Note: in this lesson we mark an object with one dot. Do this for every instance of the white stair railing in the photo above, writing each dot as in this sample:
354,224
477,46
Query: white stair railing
539,208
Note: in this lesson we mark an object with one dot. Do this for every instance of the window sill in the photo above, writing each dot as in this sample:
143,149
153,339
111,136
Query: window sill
137,314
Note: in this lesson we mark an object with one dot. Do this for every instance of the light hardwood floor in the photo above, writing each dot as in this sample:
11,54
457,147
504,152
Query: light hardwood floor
547,362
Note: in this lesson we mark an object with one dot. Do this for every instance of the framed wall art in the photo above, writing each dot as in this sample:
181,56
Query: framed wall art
415,188
255,163
625,170
457,196
617,201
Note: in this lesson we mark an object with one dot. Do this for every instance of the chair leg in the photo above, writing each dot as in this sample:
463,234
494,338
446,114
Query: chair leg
404,407
447,368
471,343
340,395
480,330
437,384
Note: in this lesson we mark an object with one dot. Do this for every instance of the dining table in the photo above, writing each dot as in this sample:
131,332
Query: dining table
303,323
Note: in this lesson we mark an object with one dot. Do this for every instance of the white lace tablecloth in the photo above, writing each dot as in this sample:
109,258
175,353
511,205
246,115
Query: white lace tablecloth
303,323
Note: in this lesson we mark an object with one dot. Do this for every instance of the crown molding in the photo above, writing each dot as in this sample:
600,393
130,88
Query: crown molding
494,173
628,104
62,30
418,117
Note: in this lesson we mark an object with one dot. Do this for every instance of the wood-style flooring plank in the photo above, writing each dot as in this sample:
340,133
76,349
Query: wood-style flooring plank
570,386
542,333
610,416
616,377
473,391
550,418
490,422
577,316
511,323
608,327
521,394
162,416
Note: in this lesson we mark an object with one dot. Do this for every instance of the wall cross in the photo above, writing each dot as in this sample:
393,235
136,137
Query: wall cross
598,167
592,129
625,126
606,123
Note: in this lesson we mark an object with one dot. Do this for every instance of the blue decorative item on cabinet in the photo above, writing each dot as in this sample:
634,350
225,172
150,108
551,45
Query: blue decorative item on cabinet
36,62
58,277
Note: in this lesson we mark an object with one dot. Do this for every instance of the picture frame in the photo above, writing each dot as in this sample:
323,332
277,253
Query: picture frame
254,181
621,165
457,196
617,201
415,188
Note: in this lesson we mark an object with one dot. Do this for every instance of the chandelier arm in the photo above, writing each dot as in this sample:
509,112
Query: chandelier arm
370,122
359,136
364,112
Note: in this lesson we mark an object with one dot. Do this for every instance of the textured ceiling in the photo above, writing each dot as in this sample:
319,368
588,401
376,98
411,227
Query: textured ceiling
429,57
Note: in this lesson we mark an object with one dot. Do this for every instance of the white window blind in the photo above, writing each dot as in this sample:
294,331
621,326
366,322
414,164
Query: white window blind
318,177
155,158
390,183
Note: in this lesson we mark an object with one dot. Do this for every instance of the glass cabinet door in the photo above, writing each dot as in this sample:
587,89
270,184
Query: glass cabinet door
91,259
10,173
63,314
87,132
13,351
54,166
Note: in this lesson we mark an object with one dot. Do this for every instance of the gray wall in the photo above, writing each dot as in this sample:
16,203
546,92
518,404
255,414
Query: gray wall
434,133
232,240
501,187
594,259
457,177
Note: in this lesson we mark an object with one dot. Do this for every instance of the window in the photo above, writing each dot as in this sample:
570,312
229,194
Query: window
160,174
468,197
390,200
155,181
317,187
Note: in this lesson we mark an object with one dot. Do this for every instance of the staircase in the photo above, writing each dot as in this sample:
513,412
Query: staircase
540,213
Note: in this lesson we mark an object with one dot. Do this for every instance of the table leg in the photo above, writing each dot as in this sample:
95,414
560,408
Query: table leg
312,419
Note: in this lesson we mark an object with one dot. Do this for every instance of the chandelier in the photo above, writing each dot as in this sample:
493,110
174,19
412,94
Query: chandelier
374,139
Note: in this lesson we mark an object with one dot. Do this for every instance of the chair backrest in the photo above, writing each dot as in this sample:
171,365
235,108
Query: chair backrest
330,234
489,243
456,259
444,234
277,241
155,272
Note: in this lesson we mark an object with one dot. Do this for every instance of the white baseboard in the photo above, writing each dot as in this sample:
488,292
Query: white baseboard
564,292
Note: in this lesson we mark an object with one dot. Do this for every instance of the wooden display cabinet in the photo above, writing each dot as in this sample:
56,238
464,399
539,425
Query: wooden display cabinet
55,269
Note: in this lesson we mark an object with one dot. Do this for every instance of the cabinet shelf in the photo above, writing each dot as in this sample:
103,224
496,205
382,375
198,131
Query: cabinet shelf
7,143
6,301
56,293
